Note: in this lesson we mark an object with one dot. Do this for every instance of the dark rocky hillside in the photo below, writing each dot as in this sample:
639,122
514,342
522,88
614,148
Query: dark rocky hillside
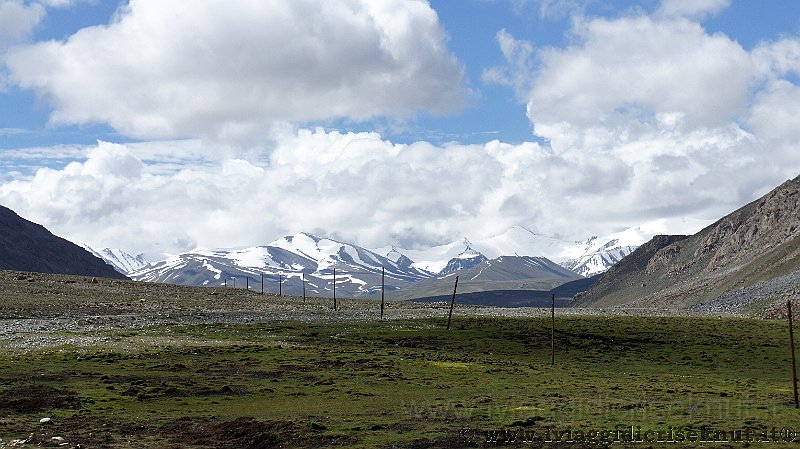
27,246
746,261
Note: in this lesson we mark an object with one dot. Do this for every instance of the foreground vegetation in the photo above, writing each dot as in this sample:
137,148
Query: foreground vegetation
404,384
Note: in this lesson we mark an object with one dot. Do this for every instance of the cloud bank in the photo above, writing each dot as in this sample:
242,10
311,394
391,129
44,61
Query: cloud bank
355,186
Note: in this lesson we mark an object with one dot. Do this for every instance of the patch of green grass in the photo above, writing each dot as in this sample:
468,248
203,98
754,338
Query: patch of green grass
408,384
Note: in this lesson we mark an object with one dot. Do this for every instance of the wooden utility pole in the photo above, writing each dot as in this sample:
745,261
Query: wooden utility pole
262,283
791,345
452,303
280,285
553,332
334,289
234,282
225,283
248,282
304,288
383,284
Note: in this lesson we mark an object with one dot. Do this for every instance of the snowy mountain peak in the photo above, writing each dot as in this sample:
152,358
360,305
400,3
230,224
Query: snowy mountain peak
520,241
298,238
466,260
122,261
468,253
393,254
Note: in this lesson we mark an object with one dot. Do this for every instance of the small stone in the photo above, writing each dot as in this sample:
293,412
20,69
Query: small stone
46,421
57,438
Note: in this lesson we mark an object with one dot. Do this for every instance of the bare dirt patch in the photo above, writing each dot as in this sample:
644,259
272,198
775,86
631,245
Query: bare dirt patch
249,433
32,398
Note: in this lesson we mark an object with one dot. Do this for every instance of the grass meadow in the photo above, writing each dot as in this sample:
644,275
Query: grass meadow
617,381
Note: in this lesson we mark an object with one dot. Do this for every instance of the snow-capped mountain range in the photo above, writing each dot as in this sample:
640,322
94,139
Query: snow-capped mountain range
290,260
293,259
586,258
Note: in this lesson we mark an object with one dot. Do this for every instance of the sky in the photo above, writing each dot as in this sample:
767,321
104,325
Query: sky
159,126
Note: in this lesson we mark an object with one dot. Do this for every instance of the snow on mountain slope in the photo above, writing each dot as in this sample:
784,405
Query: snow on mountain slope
519,241
328,254
464,261
598,254
598,262
121,261
434,259
587,258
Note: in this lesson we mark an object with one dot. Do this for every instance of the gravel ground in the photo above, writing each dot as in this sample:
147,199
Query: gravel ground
39,311
98,330
775,291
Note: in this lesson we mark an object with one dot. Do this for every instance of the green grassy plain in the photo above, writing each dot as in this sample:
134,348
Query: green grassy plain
402,384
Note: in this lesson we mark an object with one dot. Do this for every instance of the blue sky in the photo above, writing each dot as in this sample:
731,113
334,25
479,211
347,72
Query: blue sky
446,118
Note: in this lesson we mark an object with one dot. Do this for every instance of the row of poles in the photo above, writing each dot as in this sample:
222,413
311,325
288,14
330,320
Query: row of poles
335,303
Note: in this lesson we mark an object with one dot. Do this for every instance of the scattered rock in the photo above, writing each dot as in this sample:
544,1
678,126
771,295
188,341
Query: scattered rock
46,421
19,442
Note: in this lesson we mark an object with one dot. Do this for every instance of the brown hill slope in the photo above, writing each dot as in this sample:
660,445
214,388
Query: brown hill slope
27,246
743,262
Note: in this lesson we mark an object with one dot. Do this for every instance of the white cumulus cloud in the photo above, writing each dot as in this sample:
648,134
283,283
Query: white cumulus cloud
17,20
653,116
625,71
228,69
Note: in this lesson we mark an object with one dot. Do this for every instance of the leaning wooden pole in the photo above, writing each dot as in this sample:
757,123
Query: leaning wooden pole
553,331
452,304
334,289
383,286
794,361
